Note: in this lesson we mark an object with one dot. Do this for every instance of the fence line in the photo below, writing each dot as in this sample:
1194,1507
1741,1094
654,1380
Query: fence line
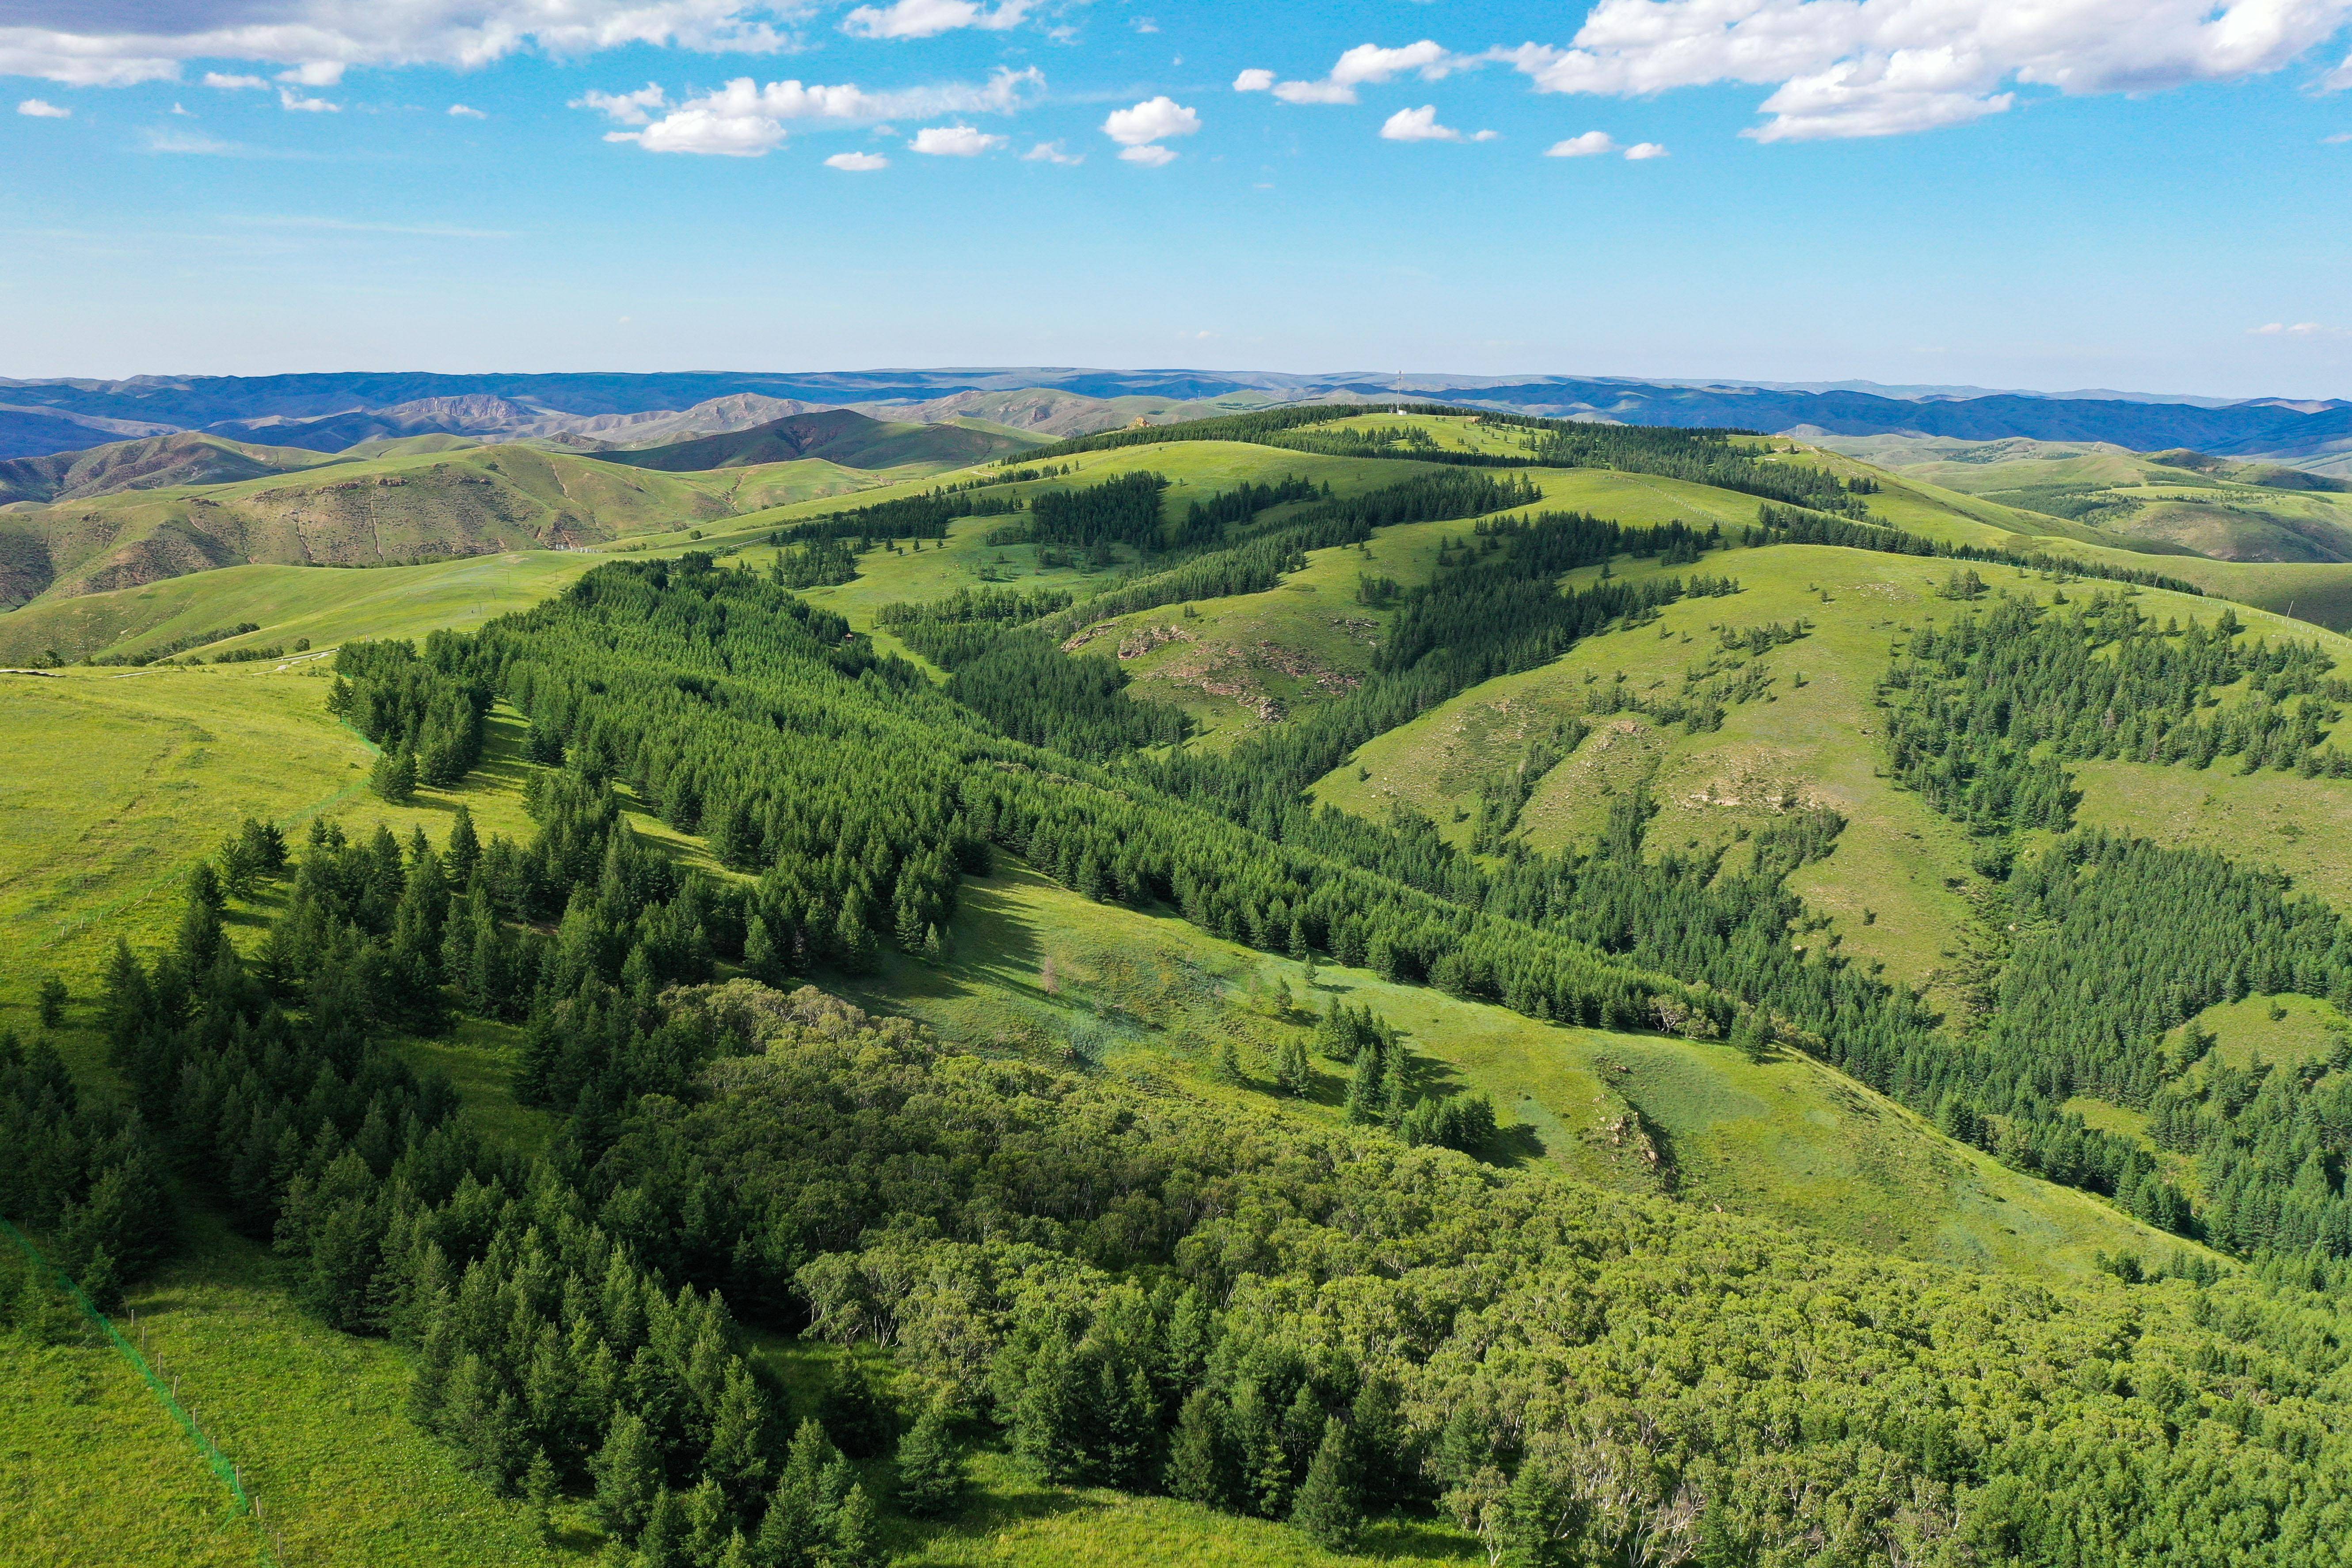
227,1472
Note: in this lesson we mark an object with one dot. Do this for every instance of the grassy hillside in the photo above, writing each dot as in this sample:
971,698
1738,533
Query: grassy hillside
156,463
289,602
412,501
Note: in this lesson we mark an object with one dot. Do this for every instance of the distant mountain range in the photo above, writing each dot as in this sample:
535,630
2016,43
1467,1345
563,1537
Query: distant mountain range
600,412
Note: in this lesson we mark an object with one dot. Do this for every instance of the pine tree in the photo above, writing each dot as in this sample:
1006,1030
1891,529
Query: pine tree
539,1489
931,1466
1227,1068
464,851
1196,1459
1292,1073
762,958
205,886
52,1003
628,1478
857,1532
1331,1507
737,1458
667,1540
394,777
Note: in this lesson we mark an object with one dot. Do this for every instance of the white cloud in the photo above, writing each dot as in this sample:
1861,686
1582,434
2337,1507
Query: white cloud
234,83
2338,140
744,120
1643,152
1418,125
1254,80
1150,155
857,163
1882,67
41,108
2295,329
1154,120
192,142
465,111
2340,77
1371,63
289,99
953,141
1315,92
319,39
1051,153
1591,145
928,18
625,108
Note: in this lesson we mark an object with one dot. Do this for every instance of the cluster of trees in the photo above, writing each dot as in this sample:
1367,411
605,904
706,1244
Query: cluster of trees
2022,686
1018,680
1123,510
1796,525
1012,605
1697,457
925,516
1504,791
1229,512
2118,942
417,707
818,563
177,645
1320,1325
87,1175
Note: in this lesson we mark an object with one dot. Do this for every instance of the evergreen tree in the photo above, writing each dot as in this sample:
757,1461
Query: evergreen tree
394,777
931,1466
628,1474
1329,1506
1292,1073
464,849
666,1540
1196,1459
51,1003
857,1532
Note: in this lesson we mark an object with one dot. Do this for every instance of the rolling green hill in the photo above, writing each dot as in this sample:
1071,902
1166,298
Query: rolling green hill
1601,816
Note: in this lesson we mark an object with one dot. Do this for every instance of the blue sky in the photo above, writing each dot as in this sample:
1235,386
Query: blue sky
2149,195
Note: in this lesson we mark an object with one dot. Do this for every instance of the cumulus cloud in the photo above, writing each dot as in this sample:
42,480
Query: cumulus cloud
928,18
1641,151
953,141
234,83
1051,153
1591,145
68,41
1420,125
2297,329
745,120
1154,120
625,108
1150,155
1254,80
1370,63
465,111
41,108
1881,68
857,163
294,102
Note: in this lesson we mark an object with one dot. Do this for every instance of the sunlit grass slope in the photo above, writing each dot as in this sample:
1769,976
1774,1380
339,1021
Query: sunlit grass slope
289,603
